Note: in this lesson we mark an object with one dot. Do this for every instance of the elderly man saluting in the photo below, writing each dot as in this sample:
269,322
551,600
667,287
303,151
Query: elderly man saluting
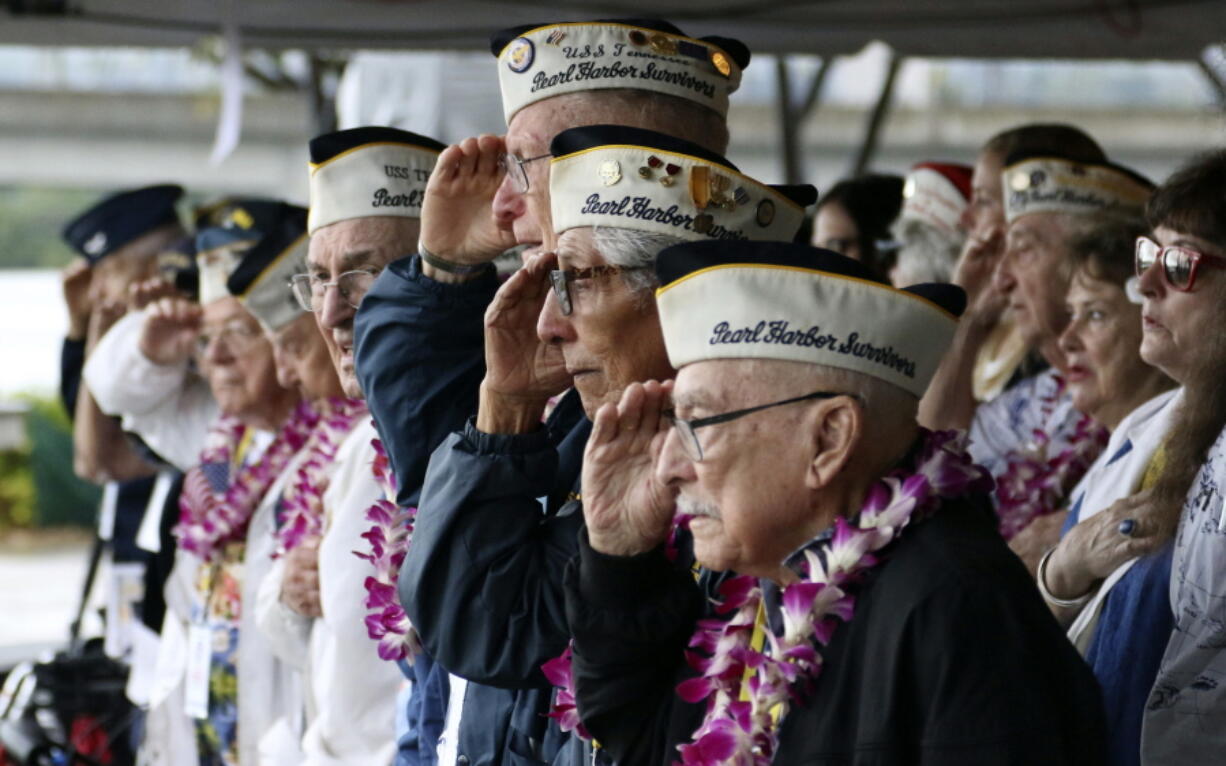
877,617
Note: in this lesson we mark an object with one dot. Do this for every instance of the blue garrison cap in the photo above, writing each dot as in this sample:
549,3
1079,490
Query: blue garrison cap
121,218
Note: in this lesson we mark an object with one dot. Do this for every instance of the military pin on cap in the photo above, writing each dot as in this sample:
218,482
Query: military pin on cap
95,244
610,172
766,213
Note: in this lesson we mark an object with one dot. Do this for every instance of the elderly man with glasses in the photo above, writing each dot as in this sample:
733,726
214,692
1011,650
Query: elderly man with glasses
872,599
491,194
485,563
1032,429
229,688
367,188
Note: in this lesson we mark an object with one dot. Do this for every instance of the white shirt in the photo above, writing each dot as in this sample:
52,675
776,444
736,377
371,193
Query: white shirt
350,692
1184,715
1115,476
1006,425
168,406
268,689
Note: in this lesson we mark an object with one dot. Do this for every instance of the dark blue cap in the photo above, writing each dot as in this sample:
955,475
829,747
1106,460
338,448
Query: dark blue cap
325,147
122,218
177,265
271,226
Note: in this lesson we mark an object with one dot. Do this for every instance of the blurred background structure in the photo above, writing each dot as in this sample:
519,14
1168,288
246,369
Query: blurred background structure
222,95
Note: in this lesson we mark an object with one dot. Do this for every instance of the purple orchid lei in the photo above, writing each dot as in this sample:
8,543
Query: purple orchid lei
1032,485
302,503
565,711
740,727
212,521
389,539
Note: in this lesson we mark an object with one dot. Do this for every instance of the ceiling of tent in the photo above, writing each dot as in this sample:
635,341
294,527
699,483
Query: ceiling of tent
1125,29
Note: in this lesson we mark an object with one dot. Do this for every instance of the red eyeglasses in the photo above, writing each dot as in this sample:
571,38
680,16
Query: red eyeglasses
1179,264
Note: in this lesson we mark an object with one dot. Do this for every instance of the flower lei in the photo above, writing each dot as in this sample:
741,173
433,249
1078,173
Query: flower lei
214,520
745,732
1033,485
302,503
389,540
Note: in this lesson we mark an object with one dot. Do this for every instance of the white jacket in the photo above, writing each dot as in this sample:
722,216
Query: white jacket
350,692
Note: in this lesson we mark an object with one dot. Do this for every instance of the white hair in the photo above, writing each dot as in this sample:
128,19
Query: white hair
632,249
927,253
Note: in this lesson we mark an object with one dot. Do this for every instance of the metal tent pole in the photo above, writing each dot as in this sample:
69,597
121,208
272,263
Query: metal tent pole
792,116
876,120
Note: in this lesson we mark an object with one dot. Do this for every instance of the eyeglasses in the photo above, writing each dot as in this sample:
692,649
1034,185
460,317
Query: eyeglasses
352,286
561,279
686,428
238,336
513,166
1179,264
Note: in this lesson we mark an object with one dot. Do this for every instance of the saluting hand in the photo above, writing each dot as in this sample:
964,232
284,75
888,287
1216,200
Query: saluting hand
521,371
171,328
627,509
980,256
141,294
457,216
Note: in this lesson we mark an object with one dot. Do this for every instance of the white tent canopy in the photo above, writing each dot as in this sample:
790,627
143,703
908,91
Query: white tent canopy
1122,29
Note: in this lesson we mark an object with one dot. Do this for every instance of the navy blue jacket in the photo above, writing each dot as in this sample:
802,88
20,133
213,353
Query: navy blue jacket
133,495
483,579
951,657
418,349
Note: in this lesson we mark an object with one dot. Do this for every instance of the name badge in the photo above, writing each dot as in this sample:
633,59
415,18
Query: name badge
196,677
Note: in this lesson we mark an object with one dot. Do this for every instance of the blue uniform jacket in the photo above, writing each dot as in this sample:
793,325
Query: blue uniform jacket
483,579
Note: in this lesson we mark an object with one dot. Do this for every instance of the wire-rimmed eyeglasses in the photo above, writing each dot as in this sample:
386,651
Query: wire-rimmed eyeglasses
686,429
352,286
560,279
513,166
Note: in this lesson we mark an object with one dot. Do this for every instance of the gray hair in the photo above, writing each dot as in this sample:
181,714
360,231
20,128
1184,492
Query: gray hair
632,249
927,253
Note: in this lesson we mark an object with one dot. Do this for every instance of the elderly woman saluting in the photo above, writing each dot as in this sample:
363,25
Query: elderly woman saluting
1121,615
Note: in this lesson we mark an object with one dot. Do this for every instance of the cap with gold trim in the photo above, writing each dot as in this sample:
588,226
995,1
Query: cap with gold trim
633,178
1045,184
122,218
369,171
259,245
539,61
792,302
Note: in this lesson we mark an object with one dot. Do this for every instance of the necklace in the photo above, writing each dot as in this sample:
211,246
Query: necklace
1032,484
208,519
389,540
749,686
302,503
750,690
